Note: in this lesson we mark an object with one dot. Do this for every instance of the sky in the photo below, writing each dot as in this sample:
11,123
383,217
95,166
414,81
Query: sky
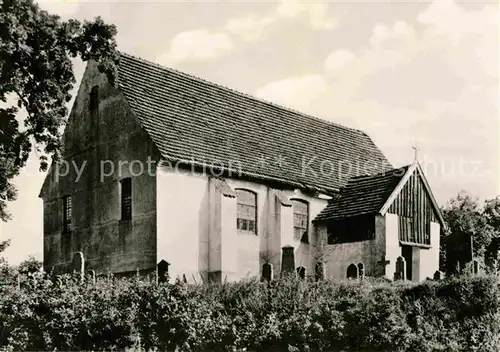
408,73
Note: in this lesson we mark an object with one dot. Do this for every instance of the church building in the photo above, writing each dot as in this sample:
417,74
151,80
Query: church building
166,171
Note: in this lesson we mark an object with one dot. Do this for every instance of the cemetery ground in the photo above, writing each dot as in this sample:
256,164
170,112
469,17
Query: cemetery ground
70,312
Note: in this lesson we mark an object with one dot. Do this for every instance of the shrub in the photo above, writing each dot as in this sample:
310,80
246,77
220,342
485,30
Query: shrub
460,314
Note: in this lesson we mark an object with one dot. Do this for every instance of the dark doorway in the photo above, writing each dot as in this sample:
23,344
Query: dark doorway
301,271
352,271
407,253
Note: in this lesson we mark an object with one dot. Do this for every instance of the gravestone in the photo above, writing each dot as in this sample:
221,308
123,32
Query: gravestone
92,276
320,271
361,270
400,273
475,267
287,260
491,264
352,271
301,272
79,265
162,271
267,272
437,275
382,263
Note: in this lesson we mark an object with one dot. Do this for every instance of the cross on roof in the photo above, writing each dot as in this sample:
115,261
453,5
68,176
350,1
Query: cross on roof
416,149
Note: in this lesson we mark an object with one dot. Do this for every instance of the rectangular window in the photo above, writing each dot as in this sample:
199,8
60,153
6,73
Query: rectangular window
300,219
126,198
246,212
94,100
67,214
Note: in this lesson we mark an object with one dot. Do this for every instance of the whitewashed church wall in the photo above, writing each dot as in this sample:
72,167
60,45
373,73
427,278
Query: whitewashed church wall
248,247
429,258
197,231
392,247
182,222
305,252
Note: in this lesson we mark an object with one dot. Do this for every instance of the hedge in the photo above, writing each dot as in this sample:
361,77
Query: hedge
460,314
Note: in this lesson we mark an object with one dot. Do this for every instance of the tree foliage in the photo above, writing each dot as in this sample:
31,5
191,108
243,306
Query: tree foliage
466,218
5,269
4,245
36,72
30,266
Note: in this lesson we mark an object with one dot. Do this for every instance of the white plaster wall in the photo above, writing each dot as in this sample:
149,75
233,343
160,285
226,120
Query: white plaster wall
416,264
197,231
392,247
229,241
247,246
272,253
305,253
182,222
429,258
275,229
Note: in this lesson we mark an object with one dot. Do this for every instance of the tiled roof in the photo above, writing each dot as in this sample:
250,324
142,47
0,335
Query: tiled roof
223,187
198,122
363,195
282,197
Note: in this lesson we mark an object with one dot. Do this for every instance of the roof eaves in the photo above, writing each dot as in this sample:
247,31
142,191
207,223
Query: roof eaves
223,187
282,197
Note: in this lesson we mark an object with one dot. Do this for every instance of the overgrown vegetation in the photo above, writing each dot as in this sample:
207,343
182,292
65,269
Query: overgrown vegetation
461,314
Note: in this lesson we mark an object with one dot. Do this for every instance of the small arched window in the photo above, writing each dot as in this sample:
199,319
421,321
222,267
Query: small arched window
300,219
246,212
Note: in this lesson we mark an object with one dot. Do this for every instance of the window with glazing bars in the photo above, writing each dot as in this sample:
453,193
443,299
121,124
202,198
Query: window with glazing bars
300,219
67,214
246,212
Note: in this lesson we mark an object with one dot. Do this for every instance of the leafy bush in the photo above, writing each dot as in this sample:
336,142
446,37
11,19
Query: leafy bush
460,314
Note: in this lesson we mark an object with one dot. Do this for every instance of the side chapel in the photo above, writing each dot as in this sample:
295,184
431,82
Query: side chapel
166,171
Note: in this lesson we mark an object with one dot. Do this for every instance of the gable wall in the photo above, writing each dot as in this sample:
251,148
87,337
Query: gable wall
414,202
98,146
